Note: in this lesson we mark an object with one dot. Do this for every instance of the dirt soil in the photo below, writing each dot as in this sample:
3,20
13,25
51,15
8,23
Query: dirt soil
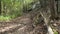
25,26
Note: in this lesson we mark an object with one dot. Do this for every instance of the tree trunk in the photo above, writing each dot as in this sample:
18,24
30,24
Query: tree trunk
52,9
47,12
0,7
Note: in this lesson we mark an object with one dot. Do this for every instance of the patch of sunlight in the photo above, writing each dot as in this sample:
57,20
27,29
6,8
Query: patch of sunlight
55,32
5,18
28,1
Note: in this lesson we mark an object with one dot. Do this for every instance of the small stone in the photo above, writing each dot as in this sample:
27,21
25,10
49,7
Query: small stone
55,24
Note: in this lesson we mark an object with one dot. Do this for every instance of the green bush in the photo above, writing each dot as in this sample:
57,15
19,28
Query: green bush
13,8
55,32
5,18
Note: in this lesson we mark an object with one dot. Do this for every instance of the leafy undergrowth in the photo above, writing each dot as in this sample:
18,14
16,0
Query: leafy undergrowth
55,32
5,18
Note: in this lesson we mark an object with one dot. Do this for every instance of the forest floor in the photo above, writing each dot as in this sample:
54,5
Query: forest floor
22,26
25,26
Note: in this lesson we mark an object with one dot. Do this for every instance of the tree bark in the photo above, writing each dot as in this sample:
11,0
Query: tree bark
48,9
52,8
0,7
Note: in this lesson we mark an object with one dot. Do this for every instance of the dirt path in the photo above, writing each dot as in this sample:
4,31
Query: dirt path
24,25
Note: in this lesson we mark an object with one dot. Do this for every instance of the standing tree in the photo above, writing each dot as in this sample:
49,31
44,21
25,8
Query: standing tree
48,11
0,7
52,8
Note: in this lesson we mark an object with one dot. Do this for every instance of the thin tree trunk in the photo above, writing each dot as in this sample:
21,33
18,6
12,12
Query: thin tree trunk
52,8
0,7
